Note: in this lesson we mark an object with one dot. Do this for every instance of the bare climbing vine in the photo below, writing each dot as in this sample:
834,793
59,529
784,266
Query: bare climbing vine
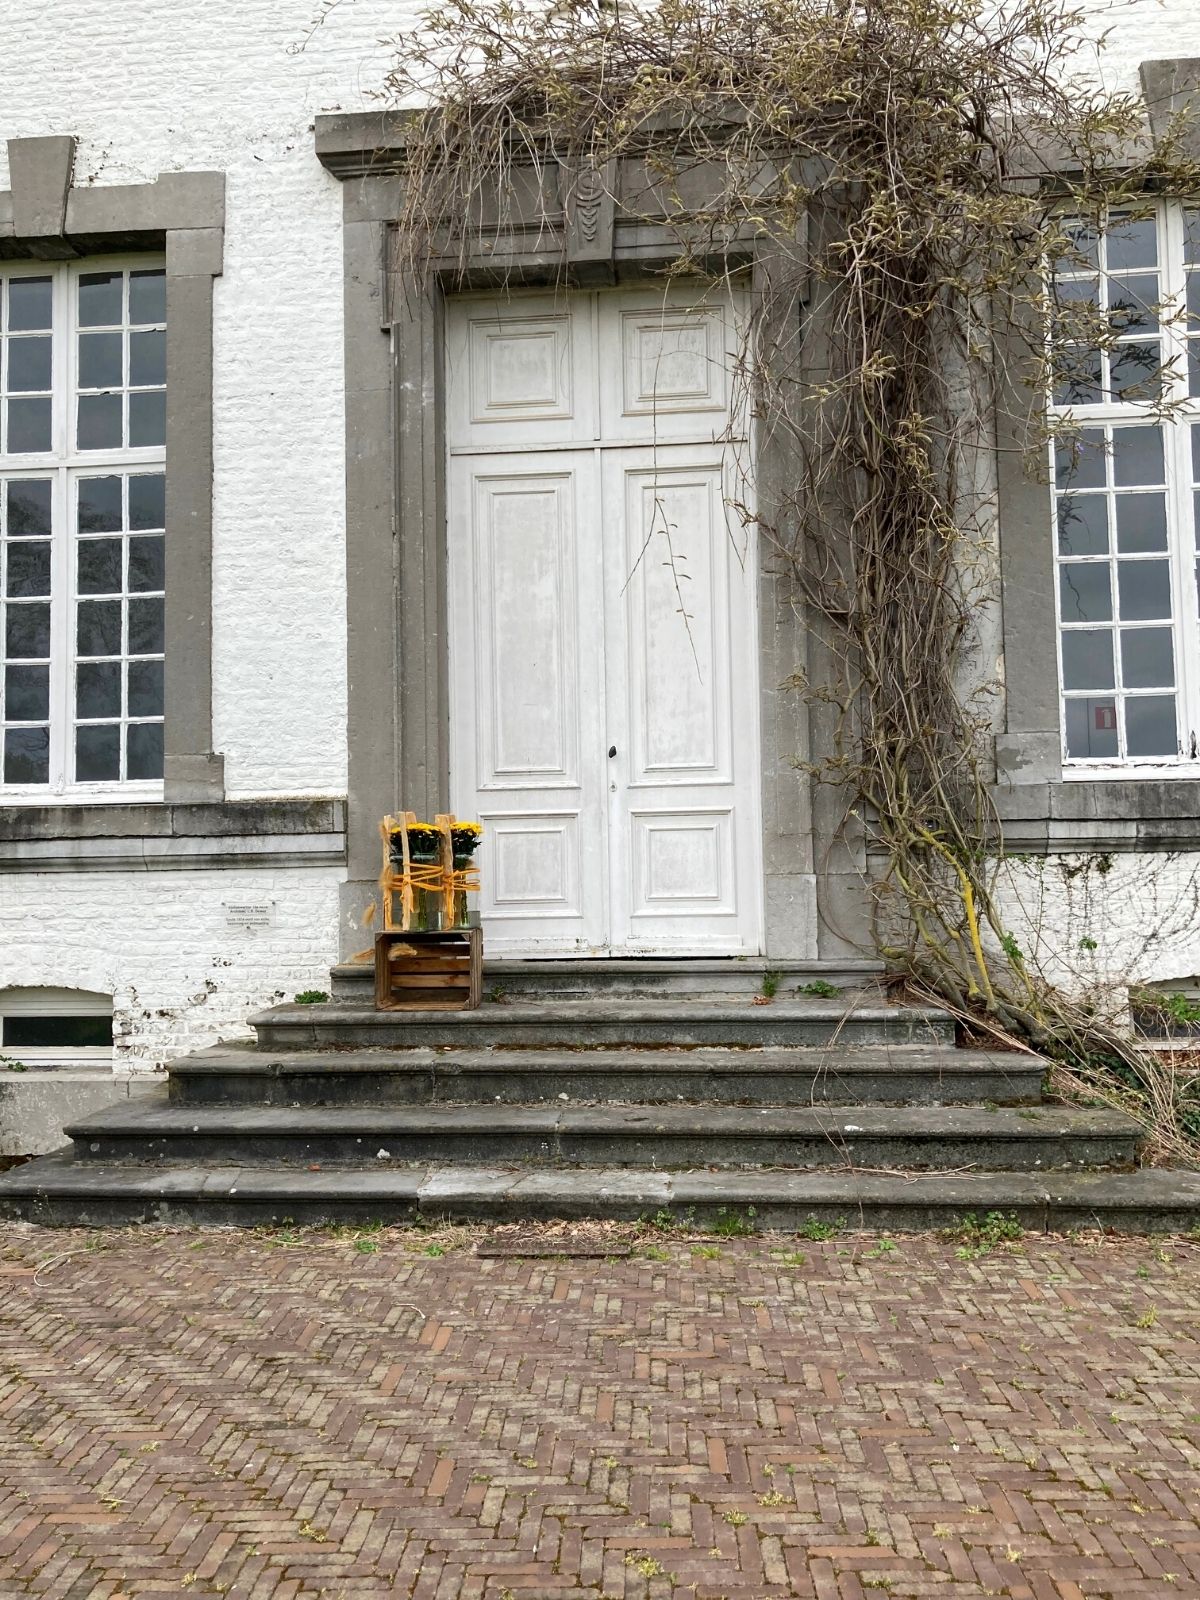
910,169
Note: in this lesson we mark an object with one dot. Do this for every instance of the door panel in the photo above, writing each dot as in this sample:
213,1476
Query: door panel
677,637
669,364
527,668
526,693
679,654
519,371
682,864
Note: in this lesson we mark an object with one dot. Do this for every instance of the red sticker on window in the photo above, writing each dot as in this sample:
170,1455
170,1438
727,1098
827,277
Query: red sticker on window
1106,719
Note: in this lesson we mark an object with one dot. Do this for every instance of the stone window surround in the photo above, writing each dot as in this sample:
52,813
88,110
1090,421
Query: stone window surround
1041,810
398,720
46,217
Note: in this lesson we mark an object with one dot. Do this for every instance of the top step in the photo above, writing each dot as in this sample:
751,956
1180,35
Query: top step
645,978
605,1023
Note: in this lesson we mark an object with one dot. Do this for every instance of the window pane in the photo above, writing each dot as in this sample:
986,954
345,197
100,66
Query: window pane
30,303
27,755
145,688
1084,244
147,500
1141,523
146,564
100,421
29,508
28,365
148,296
29,427
58,1032
144,750
1083,525
1150,725
148,358
1147,658
27,632
1131,303
97,754
1088,659
145,627
1130,243
98,628
1144,589
99,566
100,360
147,418
1085,591
1071,293
1078,378
1135,371
98,689
1079,460
1137,456
28,568
26,693
99,505
100,299
1092,728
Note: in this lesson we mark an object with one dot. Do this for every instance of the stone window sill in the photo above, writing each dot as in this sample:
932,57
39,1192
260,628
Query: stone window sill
160,836
1104,814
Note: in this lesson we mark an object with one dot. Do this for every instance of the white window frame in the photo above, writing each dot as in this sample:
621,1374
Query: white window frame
1181,531
65,464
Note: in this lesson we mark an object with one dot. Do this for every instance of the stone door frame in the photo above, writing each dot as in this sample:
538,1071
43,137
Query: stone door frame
398,695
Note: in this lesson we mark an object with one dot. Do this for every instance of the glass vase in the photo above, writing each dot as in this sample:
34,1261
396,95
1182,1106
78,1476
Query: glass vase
462,909
427,903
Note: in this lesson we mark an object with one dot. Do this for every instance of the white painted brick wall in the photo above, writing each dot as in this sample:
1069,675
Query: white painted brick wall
1134,31
1140,911
159,943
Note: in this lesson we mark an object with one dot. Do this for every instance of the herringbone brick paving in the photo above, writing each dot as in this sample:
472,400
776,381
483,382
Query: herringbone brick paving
286,1416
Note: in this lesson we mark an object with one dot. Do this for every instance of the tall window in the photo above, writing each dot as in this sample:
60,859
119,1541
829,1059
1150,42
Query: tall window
82,460
1127,499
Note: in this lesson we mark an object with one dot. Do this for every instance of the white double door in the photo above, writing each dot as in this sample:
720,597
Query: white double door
603,652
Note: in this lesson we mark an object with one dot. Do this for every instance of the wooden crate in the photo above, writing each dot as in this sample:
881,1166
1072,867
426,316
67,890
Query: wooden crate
429,971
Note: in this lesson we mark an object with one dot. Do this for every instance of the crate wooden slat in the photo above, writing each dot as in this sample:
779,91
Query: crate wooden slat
429,971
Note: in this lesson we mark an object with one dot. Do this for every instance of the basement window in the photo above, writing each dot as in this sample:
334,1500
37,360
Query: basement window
49,1028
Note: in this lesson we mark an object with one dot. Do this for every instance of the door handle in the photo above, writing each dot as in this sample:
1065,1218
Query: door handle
612,750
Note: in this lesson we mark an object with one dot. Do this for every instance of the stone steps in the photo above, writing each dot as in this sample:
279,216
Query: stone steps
902,1137
610,1105
833,1075
639,979
57,1191
600,1024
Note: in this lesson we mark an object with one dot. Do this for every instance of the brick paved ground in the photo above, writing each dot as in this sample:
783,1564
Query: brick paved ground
293,1416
